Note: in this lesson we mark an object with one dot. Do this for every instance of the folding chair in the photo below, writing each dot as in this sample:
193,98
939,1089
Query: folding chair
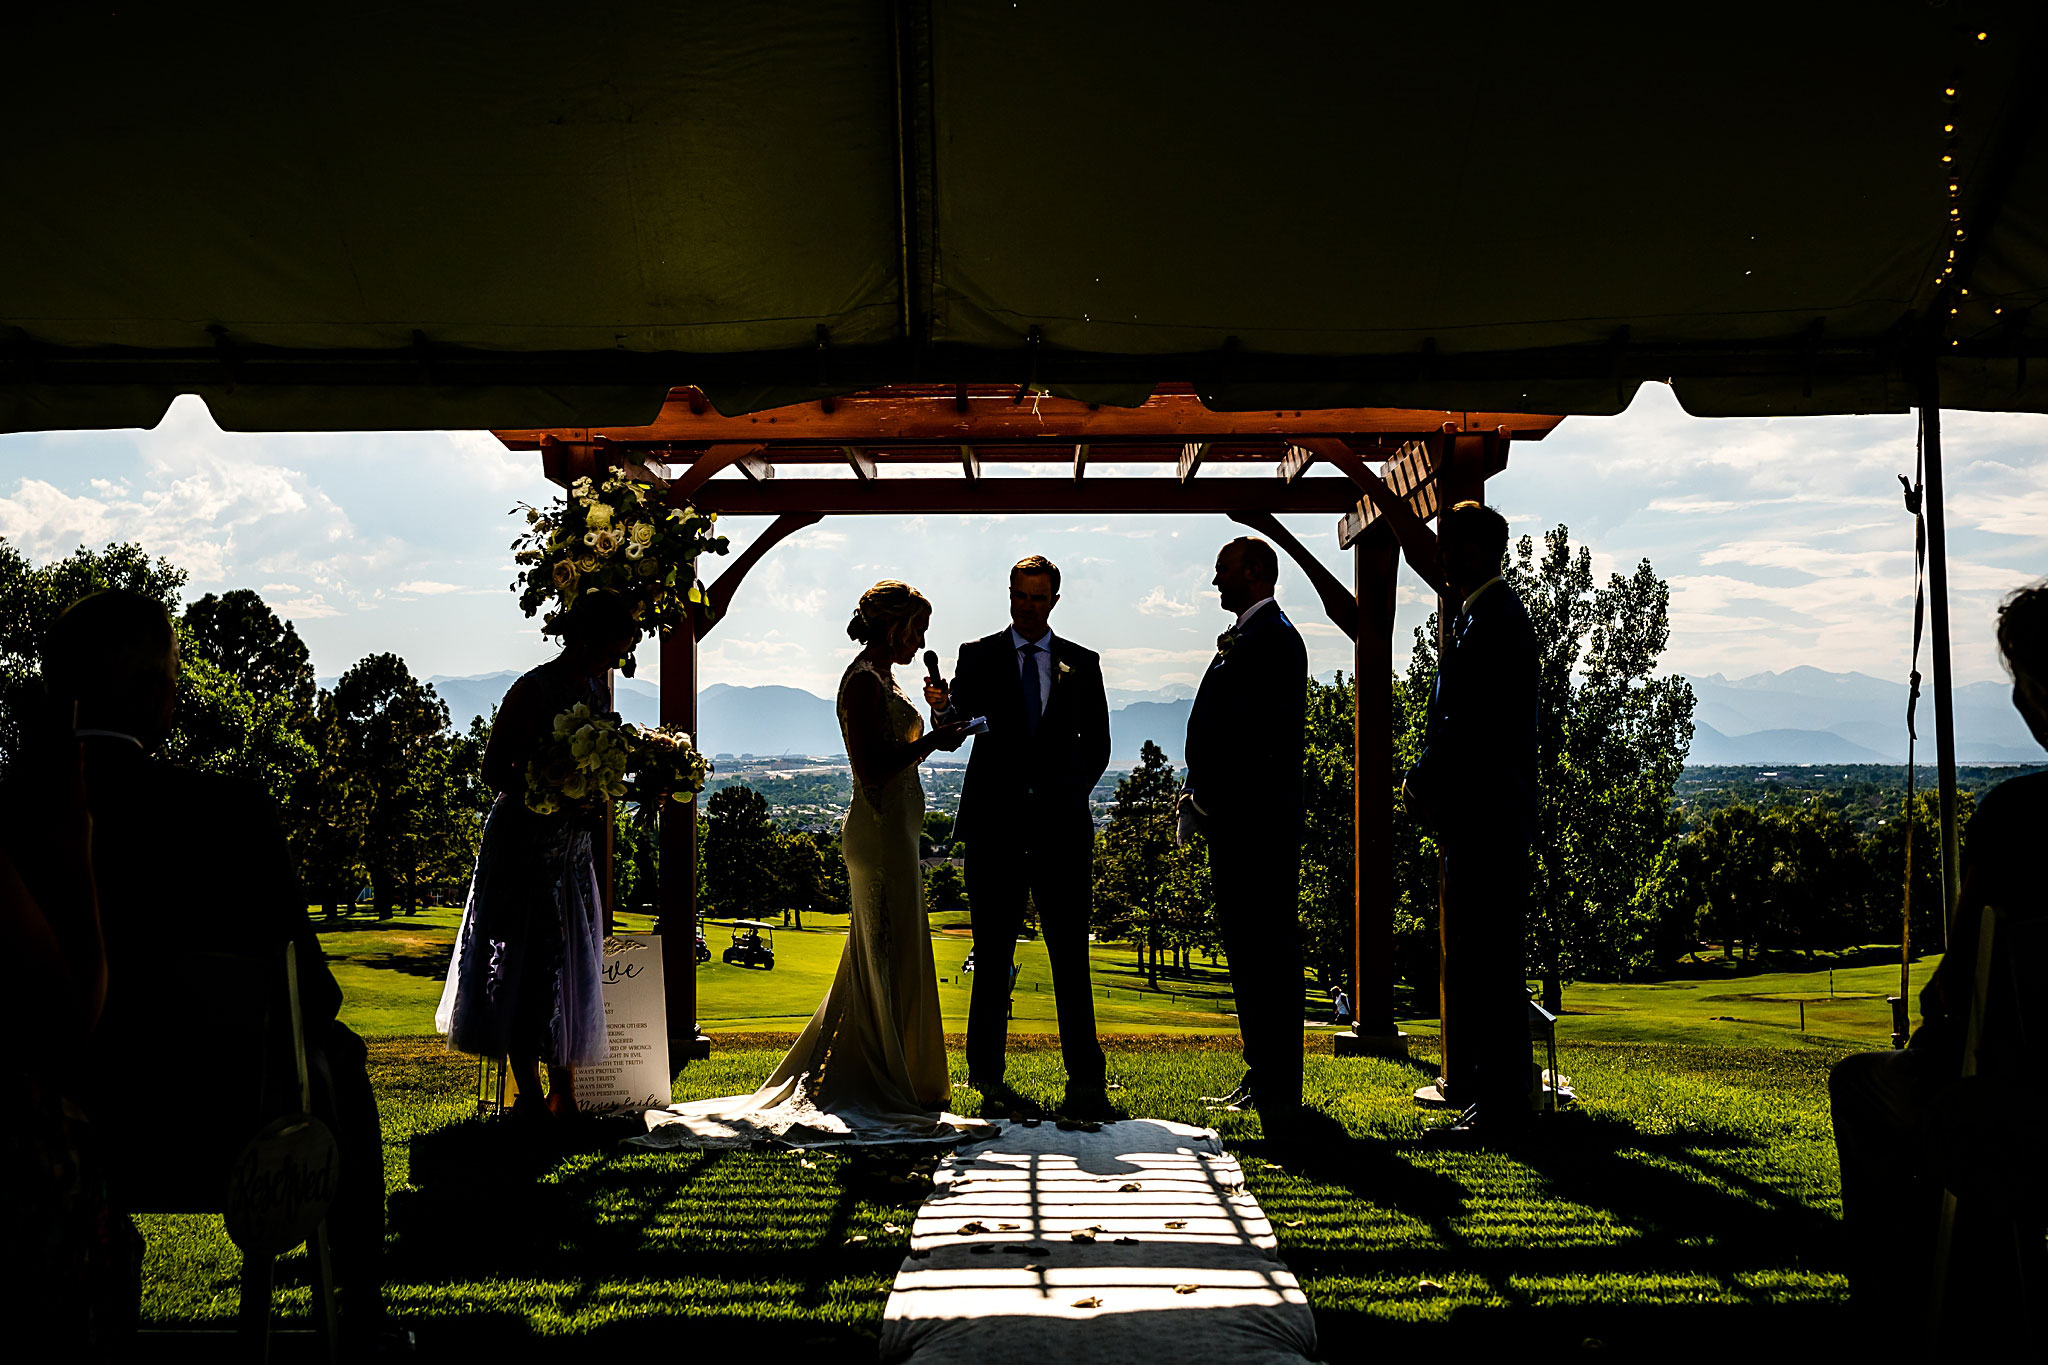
2001,1100
232,1118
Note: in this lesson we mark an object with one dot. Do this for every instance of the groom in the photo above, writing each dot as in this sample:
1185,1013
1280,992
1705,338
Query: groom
1244,756
1024,818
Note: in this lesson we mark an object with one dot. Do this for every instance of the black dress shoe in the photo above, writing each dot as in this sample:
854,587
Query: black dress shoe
999,1101
1089,1102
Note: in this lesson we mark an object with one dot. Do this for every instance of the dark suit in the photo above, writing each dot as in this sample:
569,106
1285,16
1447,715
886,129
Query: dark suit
1477,778
1025,820
187,863
1244,758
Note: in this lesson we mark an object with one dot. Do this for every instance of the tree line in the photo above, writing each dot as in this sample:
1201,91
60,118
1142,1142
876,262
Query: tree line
376,788
379,791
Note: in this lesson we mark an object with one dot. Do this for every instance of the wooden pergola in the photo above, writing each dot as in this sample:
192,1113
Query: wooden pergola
891,439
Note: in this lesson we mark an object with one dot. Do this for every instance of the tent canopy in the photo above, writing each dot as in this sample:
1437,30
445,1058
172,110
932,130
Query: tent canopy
387,216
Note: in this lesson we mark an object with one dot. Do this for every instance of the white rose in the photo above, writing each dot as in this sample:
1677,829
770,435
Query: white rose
642,533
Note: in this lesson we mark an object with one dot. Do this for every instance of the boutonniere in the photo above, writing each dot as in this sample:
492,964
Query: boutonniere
1064,668
1224,643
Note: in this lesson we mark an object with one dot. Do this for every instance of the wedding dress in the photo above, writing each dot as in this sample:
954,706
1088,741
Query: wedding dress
870,1067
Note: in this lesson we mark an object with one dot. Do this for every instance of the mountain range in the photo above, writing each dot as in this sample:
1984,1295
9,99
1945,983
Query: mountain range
1801,715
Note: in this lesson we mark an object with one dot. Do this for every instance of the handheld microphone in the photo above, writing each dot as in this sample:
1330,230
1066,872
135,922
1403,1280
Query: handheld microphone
931,668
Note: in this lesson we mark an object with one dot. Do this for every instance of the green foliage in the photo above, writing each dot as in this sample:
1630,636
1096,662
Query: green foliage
1156,894
800,878
739,853
400,784
945,887
240,635
1611,742
936,839
223,726
1799,877
32,597
636,856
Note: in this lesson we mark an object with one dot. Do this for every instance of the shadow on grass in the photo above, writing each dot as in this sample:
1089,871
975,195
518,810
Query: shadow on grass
1588,1198
768,1236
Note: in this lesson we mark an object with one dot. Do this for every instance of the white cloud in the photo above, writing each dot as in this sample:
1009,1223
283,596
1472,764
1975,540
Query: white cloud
426,587
1157,603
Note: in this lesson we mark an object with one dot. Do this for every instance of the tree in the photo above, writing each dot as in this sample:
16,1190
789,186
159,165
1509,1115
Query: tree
1822,884
32,597
392,753
945,887
739,852
1611,743
799,874
1133,851
222,726
636,856
936,839
1730,867
239,634
1326,851
1885,852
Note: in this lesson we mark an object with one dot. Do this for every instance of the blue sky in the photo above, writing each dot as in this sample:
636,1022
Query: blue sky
1784,540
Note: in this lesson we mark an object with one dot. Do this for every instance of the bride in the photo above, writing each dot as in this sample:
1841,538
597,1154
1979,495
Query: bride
870,1067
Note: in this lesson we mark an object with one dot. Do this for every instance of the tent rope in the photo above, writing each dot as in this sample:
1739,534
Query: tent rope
1913,507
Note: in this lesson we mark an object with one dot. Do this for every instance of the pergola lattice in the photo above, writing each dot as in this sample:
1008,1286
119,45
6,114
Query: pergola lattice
889,439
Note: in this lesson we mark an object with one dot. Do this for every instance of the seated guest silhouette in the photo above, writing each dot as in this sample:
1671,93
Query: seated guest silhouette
68,1258
1887,1104
189,862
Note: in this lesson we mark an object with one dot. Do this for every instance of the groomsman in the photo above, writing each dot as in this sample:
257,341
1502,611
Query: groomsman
1025,819
1244,757
1474,788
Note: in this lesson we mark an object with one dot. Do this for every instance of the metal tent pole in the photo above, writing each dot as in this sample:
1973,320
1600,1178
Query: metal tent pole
1944,701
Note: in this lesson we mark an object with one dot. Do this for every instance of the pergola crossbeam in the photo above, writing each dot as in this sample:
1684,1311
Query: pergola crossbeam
860,462
1022,497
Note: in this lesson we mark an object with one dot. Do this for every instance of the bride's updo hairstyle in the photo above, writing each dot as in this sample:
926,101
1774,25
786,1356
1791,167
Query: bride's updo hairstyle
884,609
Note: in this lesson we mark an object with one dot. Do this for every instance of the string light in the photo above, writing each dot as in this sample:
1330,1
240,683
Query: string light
1982,35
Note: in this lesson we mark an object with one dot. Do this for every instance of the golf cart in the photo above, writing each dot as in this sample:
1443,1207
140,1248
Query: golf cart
703,948
753,944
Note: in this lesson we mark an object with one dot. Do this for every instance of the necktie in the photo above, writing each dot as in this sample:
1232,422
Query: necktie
1034,704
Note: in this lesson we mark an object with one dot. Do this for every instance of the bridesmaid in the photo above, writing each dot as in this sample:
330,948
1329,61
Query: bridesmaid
524,983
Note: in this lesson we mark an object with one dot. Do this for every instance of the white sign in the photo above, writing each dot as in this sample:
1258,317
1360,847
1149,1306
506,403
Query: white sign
635,1074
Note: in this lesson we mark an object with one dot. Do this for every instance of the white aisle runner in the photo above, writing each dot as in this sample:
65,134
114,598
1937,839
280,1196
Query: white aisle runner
1132,1244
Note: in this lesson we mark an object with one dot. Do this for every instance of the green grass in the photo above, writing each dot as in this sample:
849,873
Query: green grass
391,974
1691,1198
1693,1193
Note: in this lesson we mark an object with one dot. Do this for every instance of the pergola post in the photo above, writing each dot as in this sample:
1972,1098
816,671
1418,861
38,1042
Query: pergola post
1373,1029
676,885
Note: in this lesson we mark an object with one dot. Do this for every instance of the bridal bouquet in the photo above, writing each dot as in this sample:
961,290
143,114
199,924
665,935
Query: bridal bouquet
588,757
618,535
666,765
582,762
